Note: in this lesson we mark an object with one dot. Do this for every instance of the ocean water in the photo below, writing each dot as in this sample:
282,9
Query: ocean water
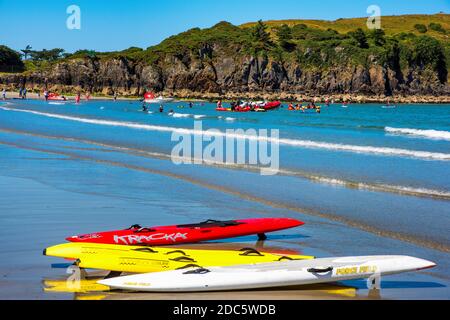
366,180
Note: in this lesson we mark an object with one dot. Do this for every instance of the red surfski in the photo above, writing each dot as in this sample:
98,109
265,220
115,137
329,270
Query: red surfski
189,233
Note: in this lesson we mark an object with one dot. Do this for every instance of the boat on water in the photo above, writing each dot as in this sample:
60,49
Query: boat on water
260,106
150,97
56,97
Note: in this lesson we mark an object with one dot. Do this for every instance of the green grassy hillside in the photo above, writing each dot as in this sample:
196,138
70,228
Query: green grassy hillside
392,25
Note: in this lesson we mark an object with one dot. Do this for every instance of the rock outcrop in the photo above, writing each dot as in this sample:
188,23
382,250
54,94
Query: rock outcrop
212,73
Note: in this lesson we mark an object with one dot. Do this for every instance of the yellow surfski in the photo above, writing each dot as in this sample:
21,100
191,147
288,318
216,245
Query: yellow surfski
135,259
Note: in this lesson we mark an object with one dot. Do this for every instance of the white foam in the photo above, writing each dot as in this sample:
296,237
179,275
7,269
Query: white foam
289,142
382,187
181,115
431,134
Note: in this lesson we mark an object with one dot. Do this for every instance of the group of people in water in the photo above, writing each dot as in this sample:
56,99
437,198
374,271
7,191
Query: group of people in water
302,108
145,107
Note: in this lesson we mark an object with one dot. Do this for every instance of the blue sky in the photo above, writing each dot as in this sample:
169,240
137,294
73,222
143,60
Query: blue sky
116,25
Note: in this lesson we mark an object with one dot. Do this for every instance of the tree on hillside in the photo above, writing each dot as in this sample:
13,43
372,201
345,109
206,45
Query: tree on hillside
47,55
430,52
378,37
26,51
284,35
10,60
261,38
360,37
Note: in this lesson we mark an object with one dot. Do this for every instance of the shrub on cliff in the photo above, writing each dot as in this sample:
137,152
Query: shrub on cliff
10,60
284,34
421,28
436,27
360,37
430,52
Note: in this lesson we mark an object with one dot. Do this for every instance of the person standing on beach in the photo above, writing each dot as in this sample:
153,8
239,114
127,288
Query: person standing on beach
115,96
24,93
78,98
46,95
4,94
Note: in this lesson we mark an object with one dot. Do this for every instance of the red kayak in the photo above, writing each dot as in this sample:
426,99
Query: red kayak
272,105
55,97
189,233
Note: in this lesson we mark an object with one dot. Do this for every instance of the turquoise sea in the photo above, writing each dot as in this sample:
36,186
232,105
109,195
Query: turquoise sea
365,179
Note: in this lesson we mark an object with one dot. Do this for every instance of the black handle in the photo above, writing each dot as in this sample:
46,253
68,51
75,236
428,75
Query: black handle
189,266
147,250
285,258
183,259
177,251
317,270
198,271
250,252
134,226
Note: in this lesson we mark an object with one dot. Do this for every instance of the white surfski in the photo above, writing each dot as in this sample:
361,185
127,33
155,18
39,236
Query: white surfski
266,275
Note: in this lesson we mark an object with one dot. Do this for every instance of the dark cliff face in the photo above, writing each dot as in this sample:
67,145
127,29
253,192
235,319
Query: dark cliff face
211,71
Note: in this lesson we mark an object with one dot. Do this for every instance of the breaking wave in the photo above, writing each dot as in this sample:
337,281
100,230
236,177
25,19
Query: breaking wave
430,134
386,151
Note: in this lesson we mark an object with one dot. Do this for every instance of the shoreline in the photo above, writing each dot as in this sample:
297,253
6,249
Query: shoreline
183,96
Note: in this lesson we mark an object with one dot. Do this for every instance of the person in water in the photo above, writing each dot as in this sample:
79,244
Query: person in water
219,104
144,107
190,105
161,108
78,98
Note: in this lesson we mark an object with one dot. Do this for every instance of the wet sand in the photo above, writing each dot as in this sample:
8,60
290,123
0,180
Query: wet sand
52,188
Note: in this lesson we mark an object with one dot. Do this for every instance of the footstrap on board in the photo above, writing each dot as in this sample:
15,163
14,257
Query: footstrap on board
250,252
321,270
198,271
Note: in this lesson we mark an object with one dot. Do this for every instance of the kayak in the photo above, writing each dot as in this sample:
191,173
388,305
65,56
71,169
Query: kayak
266,275
189,233
55,97
271,105
138,259
249,107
